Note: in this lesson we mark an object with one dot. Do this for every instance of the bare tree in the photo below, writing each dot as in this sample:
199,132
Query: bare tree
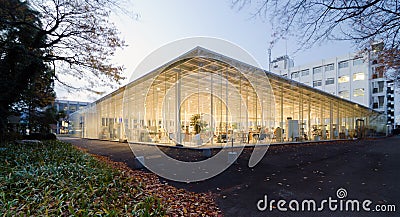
80,39
40,40
315,21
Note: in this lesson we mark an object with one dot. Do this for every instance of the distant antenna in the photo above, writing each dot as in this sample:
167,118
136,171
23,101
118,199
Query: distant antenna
287,58
271,45
285,45
269,59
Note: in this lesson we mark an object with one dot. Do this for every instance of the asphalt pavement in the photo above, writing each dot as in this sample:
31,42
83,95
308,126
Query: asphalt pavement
365,169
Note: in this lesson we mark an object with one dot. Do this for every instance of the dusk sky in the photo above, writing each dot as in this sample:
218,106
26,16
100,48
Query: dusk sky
162,22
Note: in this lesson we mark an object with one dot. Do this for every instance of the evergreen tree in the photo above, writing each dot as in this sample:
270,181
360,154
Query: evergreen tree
21,65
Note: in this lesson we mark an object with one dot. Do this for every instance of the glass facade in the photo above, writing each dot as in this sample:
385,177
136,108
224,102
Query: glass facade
204,98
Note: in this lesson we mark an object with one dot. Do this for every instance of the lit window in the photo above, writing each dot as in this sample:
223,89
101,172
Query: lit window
358,76
343,64
344,94
329,81
329,67
305,72
358,61
358,92
317,70
343,79
317,83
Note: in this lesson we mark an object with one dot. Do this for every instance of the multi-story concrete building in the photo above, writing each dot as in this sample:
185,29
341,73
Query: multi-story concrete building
68,107
282,64
397,104
356,77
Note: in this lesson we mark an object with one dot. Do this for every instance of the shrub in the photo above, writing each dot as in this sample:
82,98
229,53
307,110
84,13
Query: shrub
41,136
55,179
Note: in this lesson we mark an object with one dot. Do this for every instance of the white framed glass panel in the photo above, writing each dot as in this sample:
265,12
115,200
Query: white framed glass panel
317,83
358,61
305,72
344,94
343,64
329,81
317,70
329,67
343,79
360,76
358,92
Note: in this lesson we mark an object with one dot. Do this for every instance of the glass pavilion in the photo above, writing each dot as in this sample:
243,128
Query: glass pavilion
205,98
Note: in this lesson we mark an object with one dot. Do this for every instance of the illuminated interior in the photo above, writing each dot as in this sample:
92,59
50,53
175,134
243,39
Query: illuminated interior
206,99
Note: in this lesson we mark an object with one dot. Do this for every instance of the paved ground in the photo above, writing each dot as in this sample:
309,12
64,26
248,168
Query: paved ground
367,169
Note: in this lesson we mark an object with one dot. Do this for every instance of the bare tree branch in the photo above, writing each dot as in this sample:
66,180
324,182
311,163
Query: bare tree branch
79,33
315,21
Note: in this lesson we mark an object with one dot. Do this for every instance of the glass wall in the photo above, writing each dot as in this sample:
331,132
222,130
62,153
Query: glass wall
206,99
198,101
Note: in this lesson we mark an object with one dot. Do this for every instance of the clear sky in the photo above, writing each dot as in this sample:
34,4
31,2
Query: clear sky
161,22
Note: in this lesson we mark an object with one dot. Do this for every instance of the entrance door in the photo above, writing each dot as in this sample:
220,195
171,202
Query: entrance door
360,129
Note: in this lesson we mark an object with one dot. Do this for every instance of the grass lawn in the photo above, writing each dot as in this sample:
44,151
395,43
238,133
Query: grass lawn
55,178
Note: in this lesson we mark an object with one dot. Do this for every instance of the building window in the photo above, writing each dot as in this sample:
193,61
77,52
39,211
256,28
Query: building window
329,81
378,102
305,72
381,100
317,70
381,85
295,74
329,67
343,64
375,103
317,83
358,92
344,94
343,79
104,122
358,61
63,106
378,87
72,108
358,76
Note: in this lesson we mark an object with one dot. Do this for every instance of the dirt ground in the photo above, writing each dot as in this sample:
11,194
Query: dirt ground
367,169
